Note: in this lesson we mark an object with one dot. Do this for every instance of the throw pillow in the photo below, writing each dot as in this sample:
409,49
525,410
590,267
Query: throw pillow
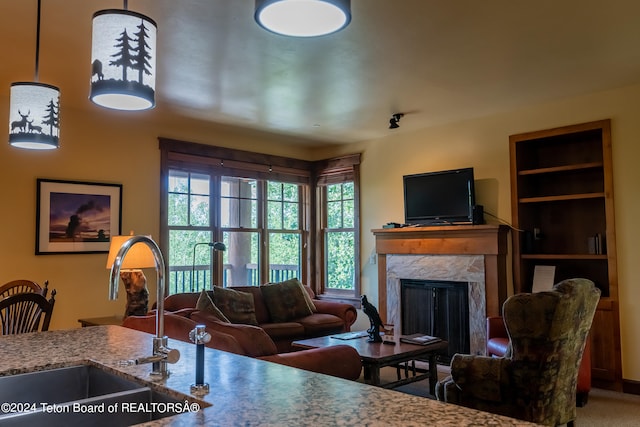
237,306
205,304
306,295
286,300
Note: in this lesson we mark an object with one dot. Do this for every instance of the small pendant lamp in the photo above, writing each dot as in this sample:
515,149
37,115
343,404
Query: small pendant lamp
34,110
123,60
303,18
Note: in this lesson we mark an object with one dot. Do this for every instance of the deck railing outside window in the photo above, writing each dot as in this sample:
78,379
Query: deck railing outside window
180,276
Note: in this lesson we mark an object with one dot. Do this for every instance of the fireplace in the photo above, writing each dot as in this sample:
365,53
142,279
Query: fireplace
438,308
474,255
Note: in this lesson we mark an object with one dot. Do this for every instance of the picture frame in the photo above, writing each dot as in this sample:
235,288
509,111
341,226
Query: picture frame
74,217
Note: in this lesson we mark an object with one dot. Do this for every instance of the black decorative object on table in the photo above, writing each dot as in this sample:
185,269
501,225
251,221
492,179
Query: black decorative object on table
374,319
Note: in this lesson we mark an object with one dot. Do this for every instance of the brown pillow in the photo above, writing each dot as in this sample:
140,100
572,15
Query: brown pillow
205,304
306,295
237,306
286,300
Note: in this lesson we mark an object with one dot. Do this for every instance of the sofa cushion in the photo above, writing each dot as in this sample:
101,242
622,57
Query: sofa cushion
205,303
319,324
306,291
283,330
253,339
285,301
262,313
179,301
237,306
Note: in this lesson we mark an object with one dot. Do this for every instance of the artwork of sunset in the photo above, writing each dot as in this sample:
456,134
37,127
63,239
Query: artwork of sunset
79,217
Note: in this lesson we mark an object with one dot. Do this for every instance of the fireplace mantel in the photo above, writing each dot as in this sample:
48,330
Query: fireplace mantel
489,241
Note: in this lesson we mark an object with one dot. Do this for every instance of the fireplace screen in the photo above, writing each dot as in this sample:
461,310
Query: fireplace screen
438,308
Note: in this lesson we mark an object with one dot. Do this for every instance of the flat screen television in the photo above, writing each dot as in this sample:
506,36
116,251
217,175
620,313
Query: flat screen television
439,198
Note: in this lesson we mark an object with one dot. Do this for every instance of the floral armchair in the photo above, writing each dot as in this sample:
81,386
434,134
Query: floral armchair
536,380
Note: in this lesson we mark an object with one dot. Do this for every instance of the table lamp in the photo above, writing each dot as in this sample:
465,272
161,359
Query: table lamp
135,282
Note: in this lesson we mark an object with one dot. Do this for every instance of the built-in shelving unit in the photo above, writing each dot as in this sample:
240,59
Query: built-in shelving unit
562,210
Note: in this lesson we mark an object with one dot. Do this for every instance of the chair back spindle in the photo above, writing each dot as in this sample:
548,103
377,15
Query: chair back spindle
26,312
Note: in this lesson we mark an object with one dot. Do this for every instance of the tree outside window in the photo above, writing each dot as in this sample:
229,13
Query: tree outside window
189,222
340,236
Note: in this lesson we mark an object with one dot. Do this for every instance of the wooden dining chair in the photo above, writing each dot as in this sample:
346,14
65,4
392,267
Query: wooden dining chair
20,286
26,312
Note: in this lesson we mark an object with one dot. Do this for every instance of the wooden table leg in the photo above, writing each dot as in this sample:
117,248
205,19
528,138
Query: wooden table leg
433,374
375,374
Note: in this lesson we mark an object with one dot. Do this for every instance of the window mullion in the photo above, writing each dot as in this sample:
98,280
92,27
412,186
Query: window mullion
263,222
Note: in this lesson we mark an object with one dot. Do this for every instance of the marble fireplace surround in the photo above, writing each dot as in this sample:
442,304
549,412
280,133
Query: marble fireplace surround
475,254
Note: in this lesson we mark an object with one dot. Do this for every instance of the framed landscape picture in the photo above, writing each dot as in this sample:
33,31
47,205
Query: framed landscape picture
76,217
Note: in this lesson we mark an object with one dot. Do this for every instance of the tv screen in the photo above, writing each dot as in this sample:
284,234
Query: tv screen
439,198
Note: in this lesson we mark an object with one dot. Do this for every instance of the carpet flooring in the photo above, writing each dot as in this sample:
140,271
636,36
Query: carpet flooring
604,408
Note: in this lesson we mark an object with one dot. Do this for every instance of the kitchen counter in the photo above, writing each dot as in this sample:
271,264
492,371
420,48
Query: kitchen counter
244,391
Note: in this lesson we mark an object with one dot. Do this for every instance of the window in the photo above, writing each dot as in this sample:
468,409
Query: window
285,235
260,207
241,235
188,222
339,237
251,221
339,228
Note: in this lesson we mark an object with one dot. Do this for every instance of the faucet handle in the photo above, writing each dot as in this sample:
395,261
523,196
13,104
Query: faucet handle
171,355
199,335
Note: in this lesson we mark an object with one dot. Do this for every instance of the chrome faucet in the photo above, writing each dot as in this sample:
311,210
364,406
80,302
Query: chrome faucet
161,353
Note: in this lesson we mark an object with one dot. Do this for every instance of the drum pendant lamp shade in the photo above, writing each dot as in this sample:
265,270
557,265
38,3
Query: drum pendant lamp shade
123,60
303,18
34,116
34,109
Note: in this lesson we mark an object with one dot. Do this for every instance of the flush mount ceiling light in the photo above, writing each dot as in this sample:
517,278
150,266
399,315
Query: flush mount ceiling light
34,110
303,18
123,60
395,119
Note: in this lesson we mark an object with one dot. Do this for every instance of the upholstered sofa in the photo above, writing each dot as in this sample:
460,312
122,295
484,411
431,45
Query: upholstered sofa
339,361
325,318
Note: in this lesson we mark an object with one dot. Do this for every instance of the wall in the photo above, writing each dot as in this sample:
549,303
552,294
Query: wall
99,146
105,146
484,144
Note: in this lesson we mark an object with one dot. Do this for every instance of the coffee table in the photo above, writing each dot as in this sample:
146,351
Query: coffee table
378,355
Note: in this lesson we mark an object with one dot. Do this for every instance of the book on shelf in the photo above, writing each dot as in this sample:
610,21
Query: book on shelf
420,339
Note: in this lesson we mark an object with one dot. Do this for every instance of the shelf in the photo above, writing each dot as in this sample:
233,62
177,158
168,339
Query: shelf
561,187
561,198
565,256
566,168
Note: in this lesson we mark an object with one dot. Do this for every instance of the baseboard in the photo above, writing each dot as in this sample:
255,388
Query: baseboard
628,386
631,387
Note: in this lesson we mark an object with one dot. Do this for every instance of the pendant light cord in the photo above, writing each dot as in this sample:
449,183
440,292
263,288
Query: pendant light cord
38,41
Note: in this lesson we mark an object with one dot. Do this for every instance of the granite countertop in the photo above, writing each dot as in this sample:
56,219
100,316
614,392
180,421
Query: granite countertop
244,391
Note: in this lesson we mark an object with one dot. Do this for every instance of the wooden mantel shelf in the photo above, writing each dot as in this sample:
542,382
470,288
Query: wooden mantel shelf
443,240
487,240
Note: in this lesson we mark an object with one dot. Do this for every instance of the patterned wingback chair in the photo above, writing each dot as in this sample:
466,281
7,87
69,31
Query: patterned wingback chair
536,380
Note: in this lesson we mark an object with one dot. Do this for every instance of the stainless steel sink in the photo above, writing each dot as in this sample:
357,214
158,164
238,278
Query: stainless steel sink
80,395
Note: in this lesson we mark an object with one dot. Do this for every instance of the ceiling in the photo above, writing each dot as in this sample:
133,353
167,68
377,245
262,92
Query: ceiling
437,61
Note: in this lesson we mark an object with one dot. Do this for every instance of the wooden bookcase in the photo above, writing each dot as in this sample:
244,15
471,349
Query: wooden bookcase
562,213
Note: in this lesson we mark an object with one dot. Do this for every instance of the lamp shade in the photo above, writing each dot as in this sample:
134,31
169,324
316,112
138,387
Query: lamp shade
138,256
123,60
34,116
303,18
